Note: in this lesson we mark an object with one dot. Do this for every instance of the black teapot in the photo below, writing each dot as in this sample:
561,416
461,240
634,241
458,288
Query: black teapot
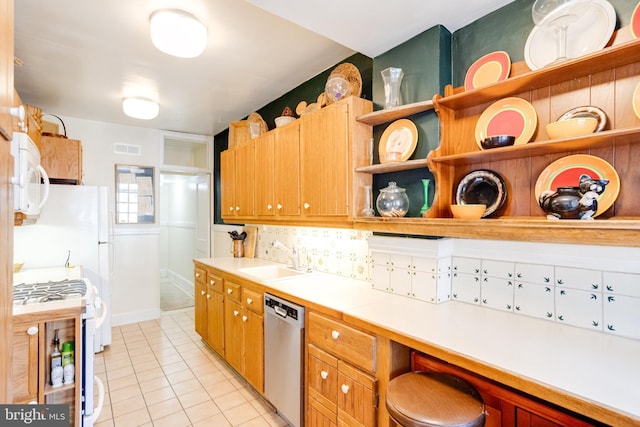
579,202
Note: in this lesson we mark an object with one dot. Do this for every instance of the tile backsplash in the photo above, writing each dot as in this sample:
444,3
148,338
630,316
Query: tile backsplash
596,288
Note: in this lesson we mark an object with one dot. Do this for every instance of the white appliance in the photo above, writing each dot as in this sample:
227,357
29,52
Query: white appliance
74,228
29,194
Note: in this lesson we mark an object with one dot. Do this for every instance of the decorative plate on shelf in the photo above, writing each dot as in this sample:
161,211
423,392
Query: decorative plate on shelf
398,141
634,26
483,187
566,172
586,33
509,116
351,74
491,68
636,100
587,111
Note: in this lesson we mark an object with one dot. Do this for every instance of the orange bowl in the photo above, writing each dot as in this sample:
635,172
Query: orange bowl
568,128
471,211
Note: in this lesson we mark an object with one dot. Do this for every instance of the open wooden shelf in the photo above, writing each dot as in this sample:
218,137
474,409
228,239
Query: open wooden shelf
613,232
384,116
393,166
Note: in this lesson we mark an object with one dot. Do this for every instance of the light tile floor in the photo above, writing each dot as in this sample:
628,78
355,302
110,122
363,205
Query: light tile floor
160,373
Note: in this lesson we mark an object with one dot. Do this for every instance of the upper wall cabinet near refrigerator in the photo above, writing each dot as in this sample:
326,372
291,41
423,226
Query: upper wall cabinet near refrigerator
62,159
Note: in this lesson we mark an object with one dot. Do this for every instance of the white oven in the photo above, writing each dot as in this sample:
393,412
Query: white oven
29,193
55,286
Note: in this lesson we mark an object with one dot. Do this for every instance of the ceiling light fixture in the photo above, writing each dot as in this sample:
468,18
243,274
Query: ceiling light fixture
177,33
140,108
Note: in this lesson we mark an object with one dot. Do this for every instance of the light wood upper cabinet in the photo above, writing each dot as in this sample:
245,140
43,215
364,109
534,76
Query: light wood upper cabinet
287,170
228,183
61,158
265,176
244,177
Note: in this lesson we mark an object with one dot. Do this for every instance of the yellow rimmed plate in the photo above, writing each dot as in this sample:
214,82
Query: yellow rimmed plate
400,137
509,116
566,172
636,101
491,68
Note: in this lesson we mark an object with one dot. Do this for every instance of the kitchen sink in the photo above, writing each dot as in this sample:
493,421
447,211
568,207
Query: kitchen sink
268,273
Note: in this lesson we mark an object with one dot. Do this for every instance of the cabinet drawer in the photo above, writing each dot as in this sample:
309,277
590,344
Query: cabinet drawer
343,341
215,282
232,290
200,275
252,300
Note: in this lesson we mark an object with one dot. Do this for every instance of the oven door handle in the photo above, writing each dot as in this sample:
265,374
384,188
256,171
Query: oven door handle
98,409
103,314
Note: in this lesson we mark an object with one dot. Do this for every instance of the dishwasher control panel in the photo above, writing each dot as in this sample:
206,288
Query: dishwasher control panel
283,308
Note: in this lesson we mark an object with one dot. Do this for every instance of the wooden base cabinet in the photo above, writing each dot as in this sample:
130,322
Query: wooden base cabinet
339,393
209,308
31,367
504,407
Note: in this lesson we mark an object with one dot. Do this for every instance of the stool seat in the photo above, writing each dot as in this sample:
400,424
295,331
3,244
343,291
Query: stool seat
421,399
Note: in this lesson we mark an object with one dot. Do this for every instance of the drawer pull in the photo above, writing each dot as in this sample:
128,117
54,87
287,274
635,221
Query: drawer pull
236,312
212,282
249,300
324,374
244,318
345,388
229,291
33,330
201,292
335,334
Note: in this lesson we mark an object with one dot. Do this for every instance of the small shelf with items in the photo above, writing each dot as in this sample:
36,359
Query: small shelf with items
385,116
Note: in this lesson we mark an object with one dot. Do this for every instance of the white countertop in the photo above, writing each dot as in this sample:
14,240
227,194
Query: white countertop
594,367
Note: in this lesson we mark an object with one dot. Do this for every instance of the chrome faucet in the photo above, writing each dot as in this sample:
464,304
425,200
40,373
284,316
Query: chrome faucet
292,253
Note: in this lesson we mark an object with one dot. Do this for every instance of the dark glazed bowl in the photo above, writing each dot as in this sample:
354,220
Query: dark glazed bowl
498,141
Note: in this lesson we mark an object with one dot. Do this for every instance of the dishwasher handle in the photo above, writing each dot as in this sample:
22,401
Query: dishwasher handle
280,311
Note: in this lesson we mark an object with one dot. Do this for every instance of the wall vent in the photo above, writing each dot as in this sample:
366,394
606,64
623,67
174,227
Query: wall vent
129,149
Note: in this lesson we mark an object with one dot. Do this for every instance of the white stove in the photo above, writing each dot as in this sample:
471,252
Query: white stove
40,292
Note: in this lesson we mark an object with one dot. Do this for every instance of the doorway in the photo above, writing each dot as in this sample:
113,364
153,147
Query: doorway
185,214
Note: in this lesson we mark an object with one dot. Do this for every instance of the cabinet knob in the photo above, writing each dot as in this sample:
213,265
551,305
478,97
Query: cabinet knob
230,208
33,402
201,292
279,206
236,312
197,274
345,388
229,291
33,330
324,374
212,282
249,300
335,334
237,208
269,207
307,206
208,296
244,318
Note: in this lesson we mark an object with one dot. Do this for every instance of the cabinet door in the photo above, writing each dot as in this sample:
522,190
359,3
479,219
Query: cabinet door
25,363
245,179
6,69
287,169
62,159
227,183
233,333
253,348
319,416
264,175
200,305
323,378
356,397
215,321
324,158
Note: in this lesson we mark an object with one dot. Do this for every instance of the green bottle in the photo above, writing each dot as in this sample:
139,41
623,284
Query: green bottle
67,353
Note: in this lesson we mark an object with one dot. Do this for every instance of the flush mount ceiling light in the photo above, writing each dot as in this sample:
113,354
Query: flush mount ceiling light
177,33
140,108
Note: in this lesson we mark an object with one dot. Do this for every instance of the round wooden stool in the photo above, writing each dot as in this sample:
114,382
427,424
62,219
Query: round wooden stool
421,399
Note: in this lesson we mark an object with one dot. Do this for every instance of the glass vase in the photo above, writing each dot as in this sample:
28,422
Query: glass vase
368,197
392,79
425,207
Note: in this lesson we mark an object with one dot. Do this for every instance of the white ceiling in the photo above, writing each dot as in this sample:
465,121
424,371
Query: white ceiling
80,58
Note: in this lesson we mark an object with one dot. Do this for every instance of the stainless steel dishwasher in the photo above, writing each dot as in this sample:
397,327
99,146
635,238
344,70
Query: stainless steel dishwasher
283,357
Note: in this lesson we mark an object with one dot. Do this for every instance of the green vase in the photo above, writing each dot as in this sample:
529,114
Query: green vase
425,206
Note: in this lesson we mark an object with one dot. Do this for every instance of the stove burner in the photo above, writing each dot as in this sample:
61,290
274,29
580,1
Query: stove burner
32,293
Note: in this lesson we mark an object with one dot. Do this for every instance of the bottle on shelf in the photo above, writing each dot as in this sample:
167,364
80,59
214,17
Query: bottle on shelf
56,362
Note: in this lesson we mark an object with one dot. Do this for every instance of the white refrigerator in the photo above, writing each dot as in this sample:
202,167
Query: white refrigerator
74,228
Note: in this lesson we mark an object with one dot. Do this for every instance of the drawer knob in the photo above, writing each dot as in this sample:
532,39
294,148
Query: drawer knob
335,334
244,318
197,274
324,374
212,282
249,300
201,292
307,205
33,330
345,388
229,291
236,312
